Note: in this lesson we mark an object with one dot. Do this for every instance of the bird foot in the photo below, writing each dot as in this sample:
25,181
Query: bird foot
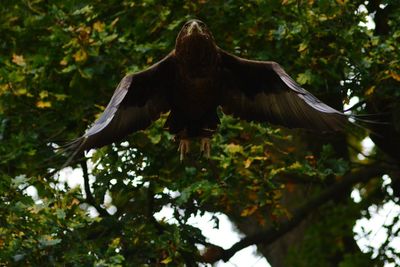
184,148
205,147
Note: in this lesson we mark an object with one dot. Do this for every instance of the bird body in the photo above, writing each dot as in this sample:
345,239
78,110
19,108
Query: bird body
196,78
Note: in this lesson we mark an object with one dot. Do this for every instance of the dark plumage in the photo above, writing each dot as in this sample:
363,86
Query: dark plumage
192,81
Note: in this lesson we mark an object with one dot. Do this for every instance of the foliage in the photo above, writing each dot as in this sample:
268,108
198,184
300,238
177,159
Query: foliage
59,64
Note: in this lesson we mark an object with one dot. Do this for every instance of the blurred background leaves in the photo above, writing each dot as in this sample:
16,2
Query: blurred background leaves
59,64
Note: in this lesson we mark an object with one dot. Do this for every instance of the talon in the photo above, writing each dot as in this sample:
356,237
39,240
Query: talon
184,148
205,147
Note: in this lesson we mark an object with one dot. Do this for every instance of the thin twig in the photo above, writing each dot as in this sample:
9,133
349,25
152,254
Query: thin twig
89,197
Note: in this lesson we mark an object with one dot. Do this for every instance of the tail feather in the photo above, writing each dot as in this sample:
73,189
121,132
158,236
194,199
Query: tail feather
73,148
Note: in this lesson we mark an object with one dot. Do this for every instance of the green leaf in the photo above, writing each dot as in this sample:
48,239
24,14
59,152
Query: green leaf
88,9
69,69
110,38
60,214
48,241
19,180
304,78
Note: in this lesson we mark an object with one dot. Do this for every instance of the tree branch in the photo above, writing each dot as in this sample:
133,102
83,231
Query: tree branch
89,197
272,234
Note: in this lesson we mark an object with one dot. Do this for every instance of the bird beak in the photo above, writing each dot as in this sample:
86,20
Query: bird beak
194,28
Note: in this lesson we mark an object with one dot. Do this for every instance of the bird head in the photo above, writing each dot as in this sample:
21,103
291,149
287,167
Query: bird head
195,42
194,27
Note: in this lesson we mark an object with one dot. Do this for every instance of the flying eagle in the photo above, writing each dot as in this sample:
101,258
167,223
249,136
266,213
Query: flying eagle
192,81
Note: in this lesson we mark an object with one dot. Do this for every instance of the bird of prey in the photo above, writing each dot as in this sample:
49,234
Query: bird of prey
192,81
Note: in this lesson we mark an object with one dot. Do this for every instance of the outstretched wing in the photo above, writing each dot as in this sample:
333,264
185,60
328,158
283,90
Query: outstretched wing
263,91
139,99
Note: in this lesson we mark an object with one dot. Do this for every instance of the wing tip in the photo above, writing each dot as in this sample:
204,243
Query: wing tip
73,148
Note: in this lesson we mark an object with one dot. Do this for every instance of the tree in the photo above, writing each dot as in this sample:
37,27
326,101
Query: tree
287,190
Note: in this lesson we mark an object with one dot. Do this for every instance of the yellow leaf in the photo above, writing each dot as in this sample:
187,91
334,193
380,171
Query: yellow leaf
99,26
166,261
370,90
84,33
248,211
149,60
114,22
295,166
43,104
322,17
34,209
102,108
63,62
302,47
257,149
73,203
311,160
394,75
21,91
98,115
247,163
80,56
274,172
60,97
115,242
233,148
43,94
19,60
4,87
260,158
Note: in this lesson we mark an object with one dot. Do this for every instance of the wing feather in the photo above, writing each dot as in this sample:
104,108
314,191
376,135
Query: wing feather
138,100
263,91
111,108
